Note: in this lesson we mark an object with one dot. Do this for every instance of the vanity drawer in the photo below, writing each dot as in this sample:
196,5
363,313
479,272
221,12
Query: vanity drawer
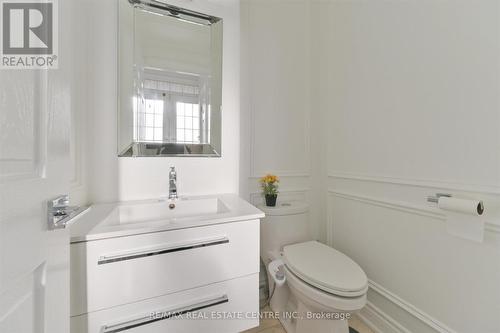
202,311
110,272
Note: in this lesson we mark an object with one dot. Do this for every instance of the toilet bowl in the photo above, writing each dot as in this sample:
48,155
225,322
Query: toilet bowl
323,286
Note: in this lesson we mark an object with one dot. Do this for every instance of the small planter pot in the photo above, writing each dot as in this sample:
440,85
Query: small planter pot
271,200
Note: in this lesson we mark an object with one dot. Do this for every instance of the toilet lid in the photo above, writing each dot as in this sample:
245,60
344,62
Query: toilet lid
326,268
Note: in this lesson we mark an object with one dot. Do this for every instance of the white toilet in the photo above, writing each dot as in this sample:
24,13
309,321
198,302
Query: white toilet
323,286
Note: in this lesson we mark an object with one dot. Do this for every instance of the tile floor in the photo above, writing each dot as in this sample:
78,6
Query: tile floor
269,325
359,326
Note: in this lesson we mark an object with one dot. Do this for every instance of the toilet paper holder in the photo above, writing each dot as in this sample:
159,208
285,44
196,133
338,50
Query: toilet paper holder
476,208
435,198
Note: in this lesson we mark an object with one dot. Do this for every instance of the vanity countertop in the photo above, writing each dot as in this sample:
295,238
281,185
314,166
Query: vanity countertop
127,218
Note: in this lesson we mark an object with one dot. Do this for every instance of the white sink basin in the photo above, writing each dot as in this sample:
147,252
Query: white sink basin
166,210
147,216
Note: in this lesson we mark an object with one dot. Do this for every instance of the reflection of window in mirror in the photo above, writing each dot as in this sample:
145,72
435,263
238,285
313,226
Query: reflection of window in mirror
188,122
172,109
150,121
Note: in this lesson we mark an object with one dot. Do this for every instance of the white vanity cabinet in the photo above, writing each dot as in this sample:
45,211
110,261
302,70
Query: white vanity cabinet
193,279
208,304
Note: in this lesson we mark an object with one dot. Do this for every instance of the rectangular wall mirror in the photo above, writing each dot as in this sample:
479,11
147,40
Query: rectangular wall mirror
170,81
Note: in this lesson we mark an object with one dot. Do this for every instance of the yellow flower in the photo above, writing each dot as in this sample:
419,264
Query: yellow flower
269,179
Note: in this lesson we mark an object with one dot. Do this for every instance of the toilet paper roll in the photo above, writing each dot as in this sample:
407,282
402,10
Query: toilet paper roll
464,206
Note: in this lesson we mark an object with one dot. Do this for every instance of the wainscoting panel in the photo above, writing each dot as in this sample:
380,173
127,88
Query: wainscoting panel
277,80
401,242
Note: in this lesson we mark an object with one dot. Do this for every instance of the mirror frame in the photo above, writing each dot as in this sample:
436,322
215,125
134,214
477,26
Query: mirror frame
170,149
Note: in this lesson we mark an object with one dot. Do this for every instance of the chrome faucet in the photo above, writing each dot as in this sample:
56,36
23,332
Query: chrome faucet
172,188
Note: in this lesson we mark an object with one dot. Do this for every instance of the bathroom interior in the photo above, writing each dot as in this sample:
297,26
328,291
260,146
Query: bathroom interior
137,177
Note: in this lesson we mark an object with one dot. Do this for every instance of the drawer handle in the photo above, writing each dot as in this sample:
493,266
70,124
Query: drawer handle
163,250
162,315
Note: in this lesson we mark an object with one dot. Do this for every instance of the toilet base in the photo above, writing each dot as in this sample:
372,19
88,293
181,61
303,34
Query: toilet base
303,309
296,317
319,325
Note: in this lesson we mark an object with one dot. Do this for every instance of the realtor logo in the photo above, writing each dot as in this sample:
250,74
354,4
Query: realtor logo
28,34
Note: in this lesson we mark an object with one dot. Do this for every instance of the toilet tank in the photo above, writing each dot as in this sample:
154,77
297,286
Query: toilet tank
287,223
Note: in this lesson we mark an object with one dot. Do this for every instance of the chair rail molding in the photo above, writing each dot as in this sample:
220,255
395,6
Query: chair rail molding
400,206
430,183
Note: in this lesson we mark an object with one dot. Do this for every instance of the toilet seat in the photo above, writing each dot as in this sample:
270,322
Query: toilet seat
326,269
320,300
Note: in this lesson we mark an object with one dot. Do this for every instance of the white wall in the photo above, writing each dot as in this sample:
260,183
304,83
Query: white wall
379,102
112,178
275,103
413,109
367,107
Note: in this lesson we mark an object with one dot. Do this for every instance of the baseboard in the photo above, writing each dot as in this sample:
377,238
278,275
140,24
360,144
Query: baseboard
416,313
378,321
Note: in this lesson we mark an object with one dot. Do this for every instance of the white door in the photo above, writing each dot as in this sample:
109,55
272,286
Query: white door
35,110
